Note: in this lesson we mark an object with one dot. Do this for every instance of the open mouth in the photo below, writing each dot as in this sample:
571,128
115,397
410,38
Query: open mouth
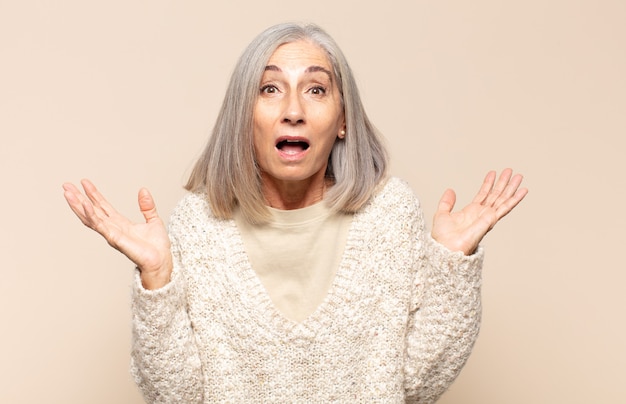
292,146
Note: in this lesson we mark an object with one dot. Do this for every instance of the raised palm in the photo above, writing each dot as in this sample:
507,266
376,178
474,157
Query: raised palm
145,244
463,230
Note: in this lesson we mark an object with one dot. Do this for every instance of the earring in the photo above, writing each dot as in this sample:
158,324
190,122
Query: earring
342,134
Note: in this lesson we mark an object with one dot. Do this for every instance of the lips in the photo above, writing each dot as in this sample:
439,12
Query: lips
292,146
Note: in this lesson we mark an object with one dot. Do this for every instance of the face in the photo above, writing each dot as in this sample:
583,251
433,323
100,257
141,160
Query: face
297,116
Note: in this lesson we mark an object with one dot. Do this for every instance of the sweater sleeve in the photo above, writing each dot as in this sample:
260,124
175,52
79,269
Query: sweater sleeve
444,320
165,362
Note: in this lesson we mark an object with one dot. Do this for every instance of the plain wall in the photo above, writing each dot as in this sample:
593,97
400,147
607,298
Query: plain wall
126,92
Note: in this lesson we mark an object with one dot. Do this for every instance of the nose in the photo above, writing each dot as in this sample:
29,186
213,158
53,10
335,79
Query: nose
294,109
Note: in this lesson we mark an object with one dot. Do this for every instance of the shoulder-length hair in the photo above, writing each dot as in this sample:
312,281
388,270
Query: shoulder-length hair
227,169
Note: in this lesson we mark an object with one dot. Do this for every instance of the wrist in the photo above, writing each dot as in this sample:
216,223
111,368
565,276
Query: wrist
156,279
456,246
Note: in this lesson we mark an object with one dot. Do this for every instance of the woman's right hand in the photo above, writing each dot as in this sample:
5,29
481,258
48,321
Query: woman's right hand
146,244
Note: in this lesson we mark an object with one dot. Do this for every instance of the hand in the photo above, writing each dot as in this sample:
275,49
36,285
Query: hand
146,244
463,230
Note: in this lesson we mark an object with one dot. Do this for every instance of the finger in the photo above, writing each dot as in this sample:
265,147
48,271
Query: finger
91,217
101,223
447,201
147,205
99,202
511,203
73,197
499,187
82,207
485,188
510,190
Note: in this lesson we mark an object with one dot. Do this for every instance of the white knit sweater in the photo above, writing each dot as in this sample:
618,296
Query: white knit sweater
397,325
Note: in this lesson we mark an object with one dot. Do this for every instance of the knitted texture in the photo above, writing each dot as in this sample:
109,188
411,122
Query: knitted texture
397,325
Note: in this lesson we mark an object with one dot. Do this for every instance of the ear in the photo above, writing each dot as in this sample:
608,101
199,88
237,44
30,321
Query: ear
342,131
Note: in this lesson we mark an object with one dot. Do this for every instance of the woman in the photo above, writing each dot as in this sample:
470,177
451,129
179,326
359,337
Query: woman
295,270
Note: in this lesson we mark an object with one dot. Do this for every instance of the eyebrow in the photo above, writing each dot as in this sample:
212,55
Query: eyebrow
310,69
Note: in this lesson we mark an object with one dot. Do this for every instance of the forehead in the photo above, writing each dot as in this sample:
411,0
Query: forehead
300,54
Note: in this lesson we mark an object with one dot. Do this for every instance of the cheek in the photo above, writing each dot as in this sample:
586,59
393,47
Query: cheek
259,131
262,123
260,146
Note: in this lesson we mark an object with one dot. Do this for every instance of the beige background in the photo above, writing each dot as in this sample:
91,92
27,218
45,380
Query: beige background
125,93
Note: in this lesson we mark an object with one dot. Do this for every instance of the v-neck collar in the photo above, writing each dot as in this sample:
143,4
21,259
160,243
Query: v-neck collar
258,301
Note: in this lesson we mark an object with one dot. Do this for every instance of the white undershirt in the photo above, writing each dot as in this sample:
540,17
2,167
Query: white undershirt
296,255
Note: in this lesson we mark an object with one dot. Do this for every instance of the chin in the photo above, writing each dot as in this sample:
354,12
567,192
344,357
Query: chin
292,176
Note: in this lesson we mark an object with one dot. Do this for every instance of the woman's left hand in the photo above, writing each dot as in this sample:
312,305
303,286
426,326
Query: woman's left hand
463,230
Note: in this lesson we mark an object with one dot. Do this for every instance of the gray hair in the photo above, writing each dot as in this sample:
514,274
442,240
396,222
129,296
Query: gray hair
227,169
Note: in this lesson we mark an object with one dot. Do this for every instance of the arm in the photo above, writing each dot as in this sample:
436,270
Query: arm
445,320
445,316
164,358
165,361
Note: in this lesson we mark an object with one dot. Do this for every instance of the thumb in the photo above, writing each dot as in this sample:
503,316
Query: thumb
146,205
447,201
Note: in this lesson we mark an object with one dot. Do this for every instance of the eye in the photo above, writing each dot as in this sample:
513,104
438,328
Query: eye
269,89
318,90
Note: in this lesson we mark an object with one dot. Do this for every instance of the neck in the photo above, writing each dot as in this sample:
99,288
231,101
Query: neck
288,195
